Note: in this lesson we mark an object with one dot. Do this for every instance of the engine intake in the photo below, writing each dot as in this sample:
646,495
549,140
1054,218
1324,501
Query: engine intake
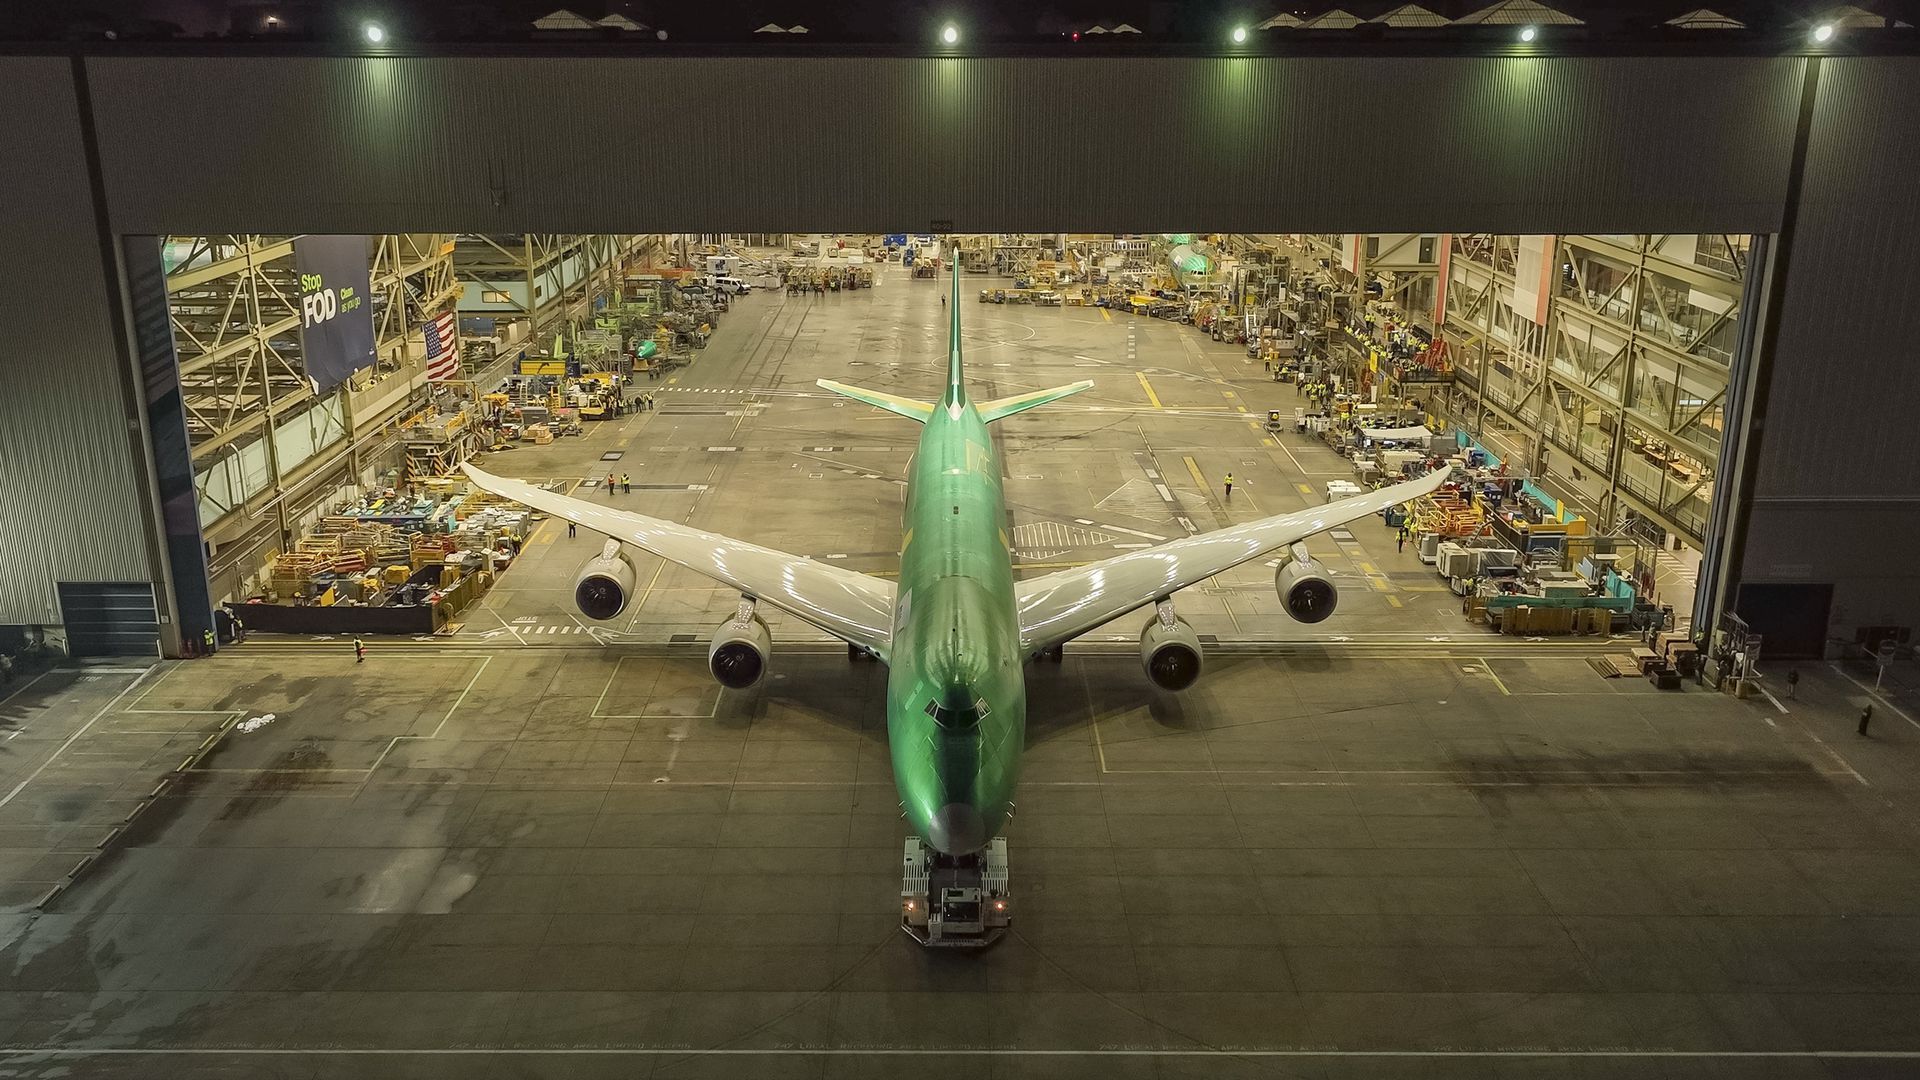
1170,653
738,655
605,584
1305,590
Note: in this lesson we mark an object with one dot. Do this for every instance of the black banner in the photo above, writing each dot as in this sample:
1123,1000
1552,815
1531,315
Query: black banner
336,312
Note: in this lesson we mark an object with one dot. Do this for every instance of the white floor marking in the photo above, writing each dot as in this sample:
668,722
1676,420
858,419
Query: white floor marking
435,733
1769,696
1878,698
73,738
9,695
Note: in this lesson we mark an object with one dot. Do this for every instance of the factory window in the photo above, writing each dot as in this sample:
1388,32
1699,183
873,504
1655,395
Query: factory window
494,296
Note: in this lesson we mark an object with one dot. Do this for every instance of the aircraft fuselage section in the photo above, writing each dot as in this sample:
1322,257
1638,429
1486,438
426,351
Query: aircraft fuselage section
956,696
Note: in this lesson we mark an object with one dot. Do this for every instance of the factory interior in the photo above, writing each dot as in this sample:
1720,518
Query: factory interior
1579,382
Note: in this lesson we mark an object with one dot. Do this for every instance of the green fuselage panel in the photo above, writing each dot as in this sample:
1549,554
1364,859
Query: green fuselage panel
956,638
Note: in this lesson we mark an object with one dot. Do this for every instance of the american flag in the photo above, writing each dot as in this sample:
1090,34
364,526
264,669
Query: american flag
443,349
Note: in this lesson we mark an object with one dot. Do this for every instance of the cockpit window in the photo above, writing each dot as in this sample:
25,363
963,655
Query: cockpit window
957,717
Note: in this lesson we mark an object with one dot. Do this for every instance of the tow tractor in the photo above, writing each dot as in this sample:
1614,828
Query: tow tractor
955,901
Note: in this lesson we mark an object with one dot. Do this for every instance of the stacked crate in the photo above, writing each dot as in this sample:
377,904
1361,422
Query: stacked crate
1448,515
292,571
429,548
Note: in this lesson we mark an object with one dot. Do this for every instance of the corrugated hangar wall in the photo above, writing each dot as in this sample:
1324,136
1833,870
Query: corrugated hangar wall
1837,490
759,145
545,144
70,509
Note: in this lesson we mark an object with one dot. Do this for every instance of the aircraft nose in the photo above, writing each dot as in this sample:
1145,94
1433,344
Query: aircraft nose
957,829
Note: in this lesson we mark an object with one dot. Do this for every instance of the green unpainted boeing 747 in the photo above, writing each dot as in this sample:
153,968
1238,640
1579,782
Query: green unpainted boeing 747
958,630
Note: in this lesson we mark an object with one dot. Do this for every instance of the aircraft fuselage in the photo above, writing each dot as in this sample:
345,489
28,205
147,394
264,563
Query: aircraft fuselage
956,691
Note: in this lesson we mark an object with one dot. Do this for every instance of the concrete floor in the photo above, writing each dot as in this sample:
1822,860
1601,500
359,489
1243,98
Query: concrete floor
1502,866
468,857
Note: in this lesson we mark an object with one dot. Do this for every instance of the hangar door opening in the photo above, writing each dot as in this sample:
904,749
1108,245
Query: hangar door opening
1579,383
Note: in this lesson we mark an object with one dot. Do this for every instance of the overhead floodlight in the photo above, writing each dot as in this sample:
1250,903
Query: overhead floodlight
374,33
951,34
1239,35
1528,34
1823,33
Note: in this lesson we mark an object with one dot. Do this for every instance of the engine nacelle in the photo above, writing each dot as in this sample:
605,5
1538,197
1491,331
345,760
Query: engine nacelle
1170,653
605,584
1305,590
738,655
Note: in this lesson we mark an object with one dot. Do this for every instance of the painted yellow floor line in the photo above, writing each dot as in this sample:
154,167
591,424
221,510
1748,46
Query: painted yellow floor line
1305,489
1198,476
1148,387
1496,678
1107,315
1395,601
1270,442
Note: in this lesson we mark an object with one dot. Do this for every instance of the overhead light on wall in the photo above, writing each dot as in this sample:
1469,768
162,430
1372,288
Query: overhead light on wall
1239,35
1823,33
950,35
1528,33
374,33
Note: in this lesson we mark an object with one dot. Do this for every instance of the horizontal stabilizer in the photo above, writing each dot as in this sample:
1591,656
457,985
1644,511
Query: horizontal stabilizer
1007,406
893,403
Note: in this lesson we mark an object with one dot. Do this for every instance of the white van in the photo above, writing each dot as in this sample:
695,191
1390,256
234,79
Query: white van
727,284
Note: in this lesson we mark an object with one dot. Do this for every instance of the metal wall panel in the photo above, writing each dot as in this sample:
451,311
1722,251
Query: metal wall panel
1837,490
68,504
1849,326
1246,144
1860,548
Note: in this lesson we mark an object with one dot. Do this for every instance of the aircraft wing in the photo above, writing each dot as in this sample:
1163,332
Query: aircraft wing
851,606
1060,606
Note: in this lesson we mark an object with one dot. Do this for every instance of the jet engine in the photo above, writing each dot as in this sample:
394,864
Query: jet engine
1304,587
1170,652
738,655
605,584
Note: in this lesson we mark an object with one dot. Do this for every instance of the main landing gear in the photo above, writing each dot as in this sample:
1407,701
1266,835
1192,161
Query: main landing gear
955,901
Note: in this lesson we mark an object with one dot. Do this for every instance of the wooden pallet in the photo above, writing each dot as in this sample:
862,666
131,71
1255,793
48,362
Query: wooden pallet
1614,667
